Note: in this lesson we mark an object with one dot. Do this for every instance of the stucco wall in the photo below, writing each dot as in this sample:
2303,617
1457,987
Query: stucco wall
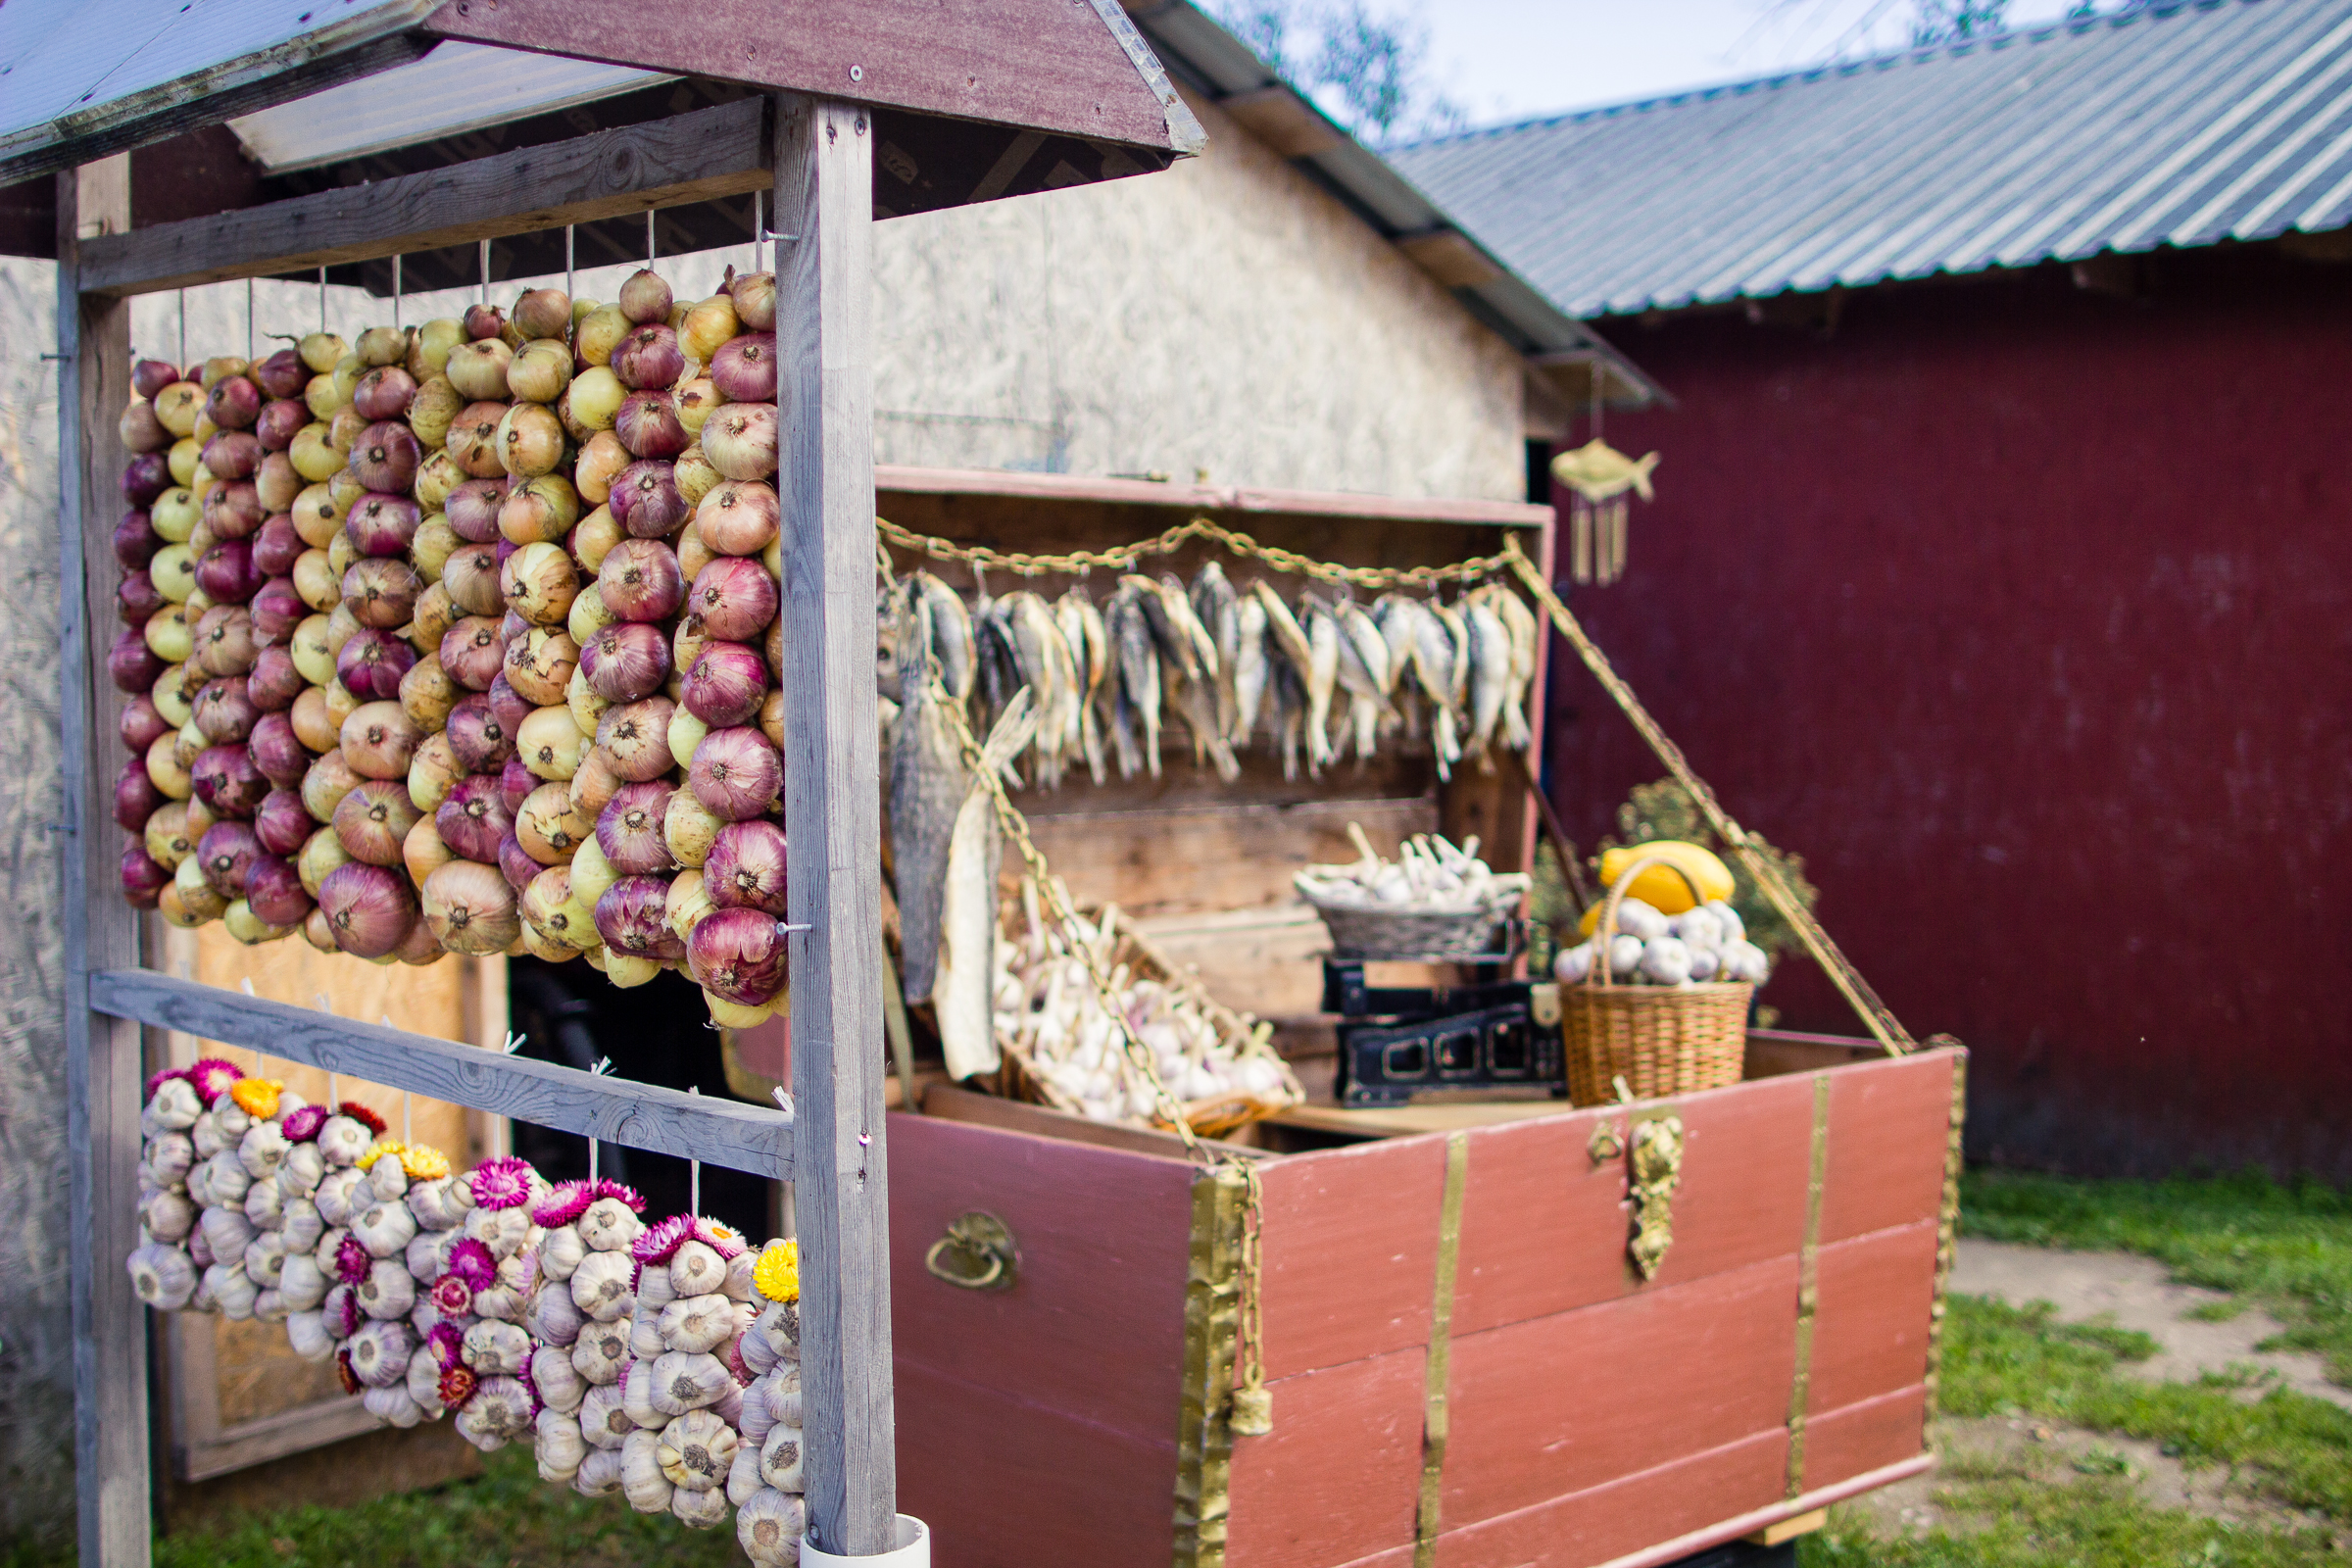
1227,315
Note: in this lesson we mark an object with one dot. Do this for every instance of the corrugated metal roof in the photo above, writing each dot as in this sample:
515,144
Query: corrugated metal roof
2179,124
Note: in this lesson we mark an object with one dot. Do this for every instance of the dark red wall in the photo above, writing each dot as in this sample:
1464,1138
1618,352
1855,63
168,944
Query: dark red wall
2025,614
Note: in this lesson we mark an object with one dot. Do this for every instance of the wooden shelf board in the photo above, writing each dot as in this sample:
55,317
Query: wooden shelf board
900,480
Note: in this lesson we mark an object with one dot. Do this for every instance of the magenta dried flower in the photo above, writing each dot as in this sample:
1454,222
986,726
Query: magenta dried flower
158,1080
303,1125
627,1197
724,1240
658,1241
447,1341
211,1078
452,1297
472,1262
501,1183
352,1260
565,1202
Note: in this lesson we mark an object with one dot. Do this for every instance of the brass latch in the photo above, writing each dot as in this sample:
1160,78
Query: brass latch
976,1254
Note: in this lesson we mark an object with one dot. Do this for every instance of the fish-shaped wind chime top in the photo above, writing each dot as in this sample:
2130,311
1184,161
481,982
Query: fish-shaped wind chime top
1599,475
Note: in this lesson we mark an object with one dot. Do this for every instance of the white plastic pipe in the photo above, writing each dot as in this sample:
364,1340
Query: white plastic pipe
912,1551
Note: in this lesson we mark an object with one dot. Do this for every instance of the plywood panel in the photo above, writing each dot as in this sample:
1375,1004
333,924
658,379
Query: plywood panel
1006,1484
1602,1523
1870,1332
1863,1436
1889,1125
1338,1477
1543,1226
1746,1161
1266,960
1567,1403
1094,1322
1351,1251
1229,856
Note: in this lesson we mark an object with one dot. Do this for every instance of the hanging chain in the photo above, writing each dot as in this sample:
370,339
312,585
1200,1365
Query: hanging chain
1125,557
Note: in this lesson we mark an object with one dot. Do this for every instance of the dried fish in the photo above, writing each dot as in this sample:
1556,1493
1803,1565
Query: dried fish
1217,607
961,994
1363,675
1436,671
1490,675
928,781
1041,657
1082,628
1189,662
1520,621
1322,672
1135,712
950,633
1250,666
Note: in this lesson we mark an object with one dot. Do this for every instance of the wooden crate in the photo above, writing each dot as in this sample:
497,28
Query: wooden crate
1781,1359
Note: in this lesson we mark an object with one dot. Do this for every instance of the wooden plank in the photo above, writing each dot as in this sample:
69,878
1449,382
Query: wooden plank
1870,1333
1005,1484
714,1130
1866,1436
1570,1402
897,479
823,162
970,1106
1093,1324
1041,64
1338,1477
1746,1160
103,1056
1543,1226
1890,1126
714,152
1349,1251
1211,857
243,1444
1684,1495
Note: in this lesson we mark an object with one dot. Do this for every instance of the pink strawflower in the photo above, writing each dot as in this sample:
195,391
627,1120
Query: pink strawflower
501,1183
303,1125
211,1078
352,1261
565,1202
469,1260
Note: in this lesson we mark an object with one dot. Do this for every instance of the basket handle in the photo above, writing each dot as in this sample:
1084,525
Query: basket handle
1604,930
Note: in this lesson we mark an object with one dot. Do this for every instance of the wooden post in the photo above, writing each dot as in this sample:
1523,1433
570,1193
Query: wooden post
101,1054
832,812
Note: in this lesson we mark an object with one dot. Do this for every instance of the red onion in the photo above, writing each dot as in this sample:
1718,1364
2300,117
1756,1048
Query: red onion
372,664
645,500
232,455
368,909
145,477
380,740
370,821
135,542
634,739
471,576
726,684
471,908
281,422
754,297
514,863
282,824
483,321
631,917
383,393
740,440
226,851
228,575
738,955
141,723
233,403
744,370
649,357
472,650
276,608
131,664
473,816
278,752
640,580
648,426
473,510
733,597
509,625
150,376
380,591
234,510
274,890
746,867
645,297
625,660
276,546
383,524
738,518
223,712
508,707
480,743
629,829
324,785
514,784
137,798
143,877
227,782
418,947
735,773
275,680
282,374
136,597
472,439
387,454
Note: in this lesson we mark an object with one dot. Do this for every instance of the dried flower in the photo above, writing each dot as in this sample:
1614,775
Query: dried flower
363,1115
257,1096
502,1183
352,1260
472,1263
452,1297
724,1240
778,1276
456,1387
423,1164
661,1239
212,1077
302,1125
377,1150
343,1372
565,1202
447,1341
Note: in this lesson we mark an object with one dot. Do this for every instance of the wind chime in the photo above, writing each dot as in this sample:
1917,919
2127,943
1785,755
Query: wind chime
1598,475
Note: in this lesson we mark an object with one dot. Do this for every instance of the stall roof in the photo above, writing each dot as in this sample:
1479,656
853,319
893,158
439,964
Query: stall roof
89,77
2169,125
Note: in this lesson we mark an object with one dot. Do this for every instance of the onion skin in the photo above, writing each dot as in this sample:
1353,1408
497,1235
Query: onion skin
370,821
137,798
478,741
131,664
379,741
645,500
472,651
140,724
738,953
282,824
368,909
473,510
278,751
373,663
143,880
226,852
726,685
227,782
326,785
734,599
135,541
232,455
634,739
648,426
740,517
640,580
629,829
754,297
471,908
739,440
516,868
625,660
629,916
746,867
383,393
473,817
383,524
275,892
224,713
735,773
428,694
514,784
147,475
379,592
744,370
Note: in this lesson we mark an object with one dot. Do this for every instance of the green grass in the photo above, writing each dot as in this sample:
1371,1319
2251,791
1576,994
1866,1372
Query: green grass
2288,1248
2093,1523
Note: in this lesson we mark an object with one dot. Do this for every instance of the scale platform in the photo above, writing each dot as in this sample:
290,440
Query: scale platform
1492,1036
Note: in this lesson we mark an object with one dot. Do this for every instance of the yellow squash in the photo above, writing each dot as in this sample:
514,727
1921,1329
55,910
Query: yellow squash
1658,886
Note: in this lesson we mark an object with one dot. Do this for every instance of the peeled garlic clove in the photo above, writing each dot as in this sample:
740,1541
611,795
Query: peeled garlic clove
603,1421
770,1526
780,1459
560,1448
559,1384
642,1482
307,1333
389,1291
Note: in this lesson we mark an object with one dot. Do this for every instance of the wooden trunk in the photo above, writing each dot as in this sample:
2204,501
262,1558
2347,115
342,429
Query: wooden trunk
1782,1356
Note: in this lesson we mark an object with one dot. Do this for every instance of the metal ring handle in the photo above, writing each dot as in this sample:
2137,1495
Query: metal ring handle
974,1236
971,1282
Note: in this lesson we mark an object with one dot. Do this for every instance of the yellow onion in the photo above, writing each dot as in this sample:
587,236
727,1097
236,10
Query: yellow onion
314,726
687,904
594,784
693,554
540,373
165,769
277,482
591,872
344,430
707,326
539,509
429,550
587,707
595,396
429,346
431,619
594,538
754,297
340,554
320,395
318,515
472,440
422,853
478,370
549,745
433,409
175,514
379,741
318,932
685,733
436,477
695,400
543,312
738,517
381,345
190,901
373,819
341,627
549,826
471,573
539,665
771,718
471,908
588,613
689,827
340,703
551,909
530,440
602,458
326,785
694,476
432,772
539,583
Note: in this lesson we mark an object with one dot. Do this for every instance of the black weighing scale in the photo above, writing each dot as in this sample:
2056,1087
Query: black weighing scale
1491,1036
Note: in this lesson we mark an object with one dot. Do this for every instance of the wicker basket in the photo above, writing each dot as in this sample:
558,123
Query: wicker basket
1660,1040
1373,933
1209,1119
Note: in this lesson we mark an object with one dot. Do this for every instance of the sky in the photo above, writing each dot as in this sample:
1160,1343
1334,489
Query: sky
1517,59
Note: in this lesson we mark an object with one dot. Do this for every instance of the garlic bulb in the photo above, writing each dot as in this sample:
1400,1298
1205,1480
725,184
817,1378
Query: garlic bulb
743,1474
304,1168
780,1459
269,1306
298,1220
426,1256
654,1288
559,1384
170,1157
493,1349
698,1323
262,1150
263,1205
226,1231
637,1396
379,1353
342,1141
695,1269
600,1285
499,1412
608,1225
1624,953
170,1216
770,1526
162,1277
600,1354
560,1253
430,1203
600,1473
423,1381
780,1325
265,1255
553,1316
685,1379
199,1184
205,1132
392,1406
740,1269
1666,960
301,1281
175,1105
306,1332
642,1482
385,1226
201,1300
1638,918
697,1510
696,1450
337,1193
501,1230
645,1333
226,1177
559,1447
603,1421
230,1121
387,1181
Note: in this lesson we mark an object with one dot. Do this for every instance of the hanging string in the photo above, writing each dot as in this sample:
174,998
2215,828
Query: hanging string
184,329
322,299
404,1116
694,1167
334,1096
485,273
250,338
570,289
649,238
395,291
759,224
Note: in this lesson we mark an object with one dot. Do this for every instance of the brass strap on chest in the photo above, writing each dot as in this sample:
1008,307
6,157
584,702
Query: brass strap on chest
1808,1287
1436,1418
